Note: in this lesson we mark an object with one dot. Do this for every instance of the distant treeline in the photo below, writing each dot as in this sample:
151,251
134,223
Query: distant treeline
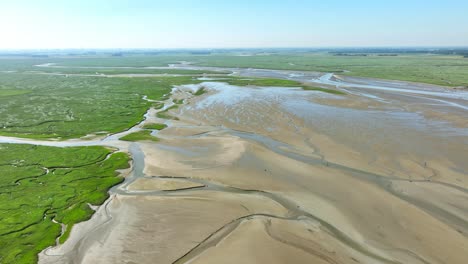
348,54
200,52
396,51
360,54
259,51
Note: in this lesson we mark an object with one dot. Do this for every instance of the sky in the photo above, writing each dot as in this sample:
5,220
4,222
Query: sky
88,24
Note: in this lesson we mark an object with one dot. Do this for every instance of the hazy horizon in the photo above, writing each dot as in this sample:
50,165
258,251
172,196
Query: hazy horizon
318,48
188,24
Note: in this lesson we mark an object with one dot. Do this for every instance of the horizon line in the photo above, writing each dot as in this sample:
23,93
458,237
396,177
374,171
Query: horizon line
239,48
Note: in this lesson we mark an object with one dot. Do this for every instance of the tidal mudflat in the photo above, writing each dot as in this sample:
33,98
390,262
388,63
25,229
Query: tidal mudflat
301,176
238,169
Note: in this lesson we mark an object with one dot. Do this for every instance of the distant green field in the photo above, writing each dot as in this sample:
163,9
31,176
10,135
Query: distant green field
127,61
433,69
115,71
40,185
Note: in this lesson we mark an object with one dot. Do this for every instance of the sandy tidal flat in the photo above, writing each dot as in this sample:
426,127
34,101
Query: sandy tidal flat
282,175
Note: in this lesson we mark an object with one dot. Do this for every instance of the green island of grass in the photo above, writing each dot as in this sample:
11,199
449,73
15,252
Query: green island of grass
263,82
43,187
200,91
325,90
156,126
144,135
278,83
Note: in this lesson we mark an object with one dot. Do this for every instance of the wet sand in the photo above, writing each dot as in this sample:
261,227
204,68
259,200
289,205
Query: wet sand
282,175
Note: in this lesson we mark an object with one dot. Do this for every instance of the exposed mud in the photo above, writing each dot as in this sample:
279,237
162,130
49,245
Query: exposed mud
276,175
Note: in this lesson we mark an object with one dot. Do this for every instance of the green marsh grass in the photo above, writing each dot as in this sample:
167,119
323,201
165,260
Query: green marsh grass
144,135
325,90
155,126
40,185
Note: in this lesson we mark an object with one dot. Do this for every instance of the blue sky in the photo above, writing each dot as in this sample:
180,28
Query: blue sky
241,23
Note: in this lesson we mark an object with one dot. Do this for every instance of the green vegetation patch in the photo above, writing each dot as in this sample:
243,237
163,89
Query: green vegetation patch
42,187
263,82
144,135
155,126
325,90
200,91
271,82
